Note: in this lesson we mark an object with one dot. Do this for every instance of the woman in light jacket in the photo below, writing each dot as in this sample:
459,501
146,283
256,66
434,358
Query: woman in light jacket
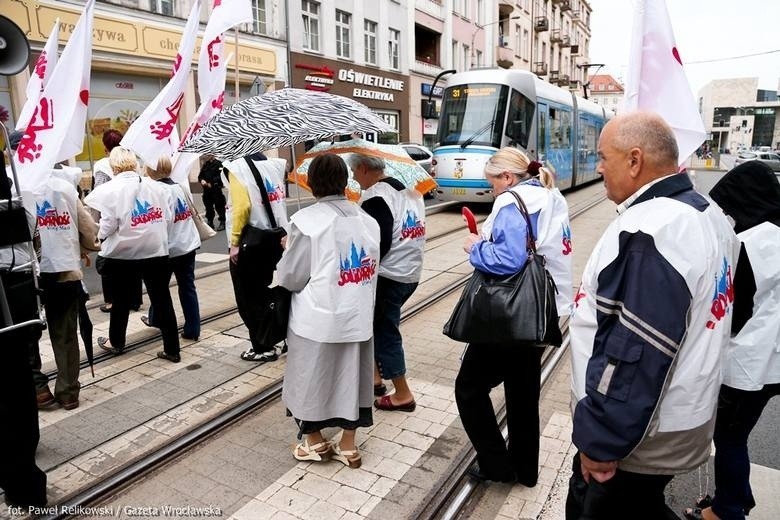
183,242
500,250
134,216
330,265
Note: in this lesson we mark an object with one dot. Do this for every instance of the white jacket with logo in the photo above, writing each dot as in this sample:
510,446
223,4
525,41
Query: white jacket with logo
56,210
337,304
183,236
134,217
404,261
648,330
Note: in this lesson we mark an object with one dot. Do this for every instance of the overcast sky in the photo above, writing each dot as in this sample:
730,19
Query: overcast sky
704,30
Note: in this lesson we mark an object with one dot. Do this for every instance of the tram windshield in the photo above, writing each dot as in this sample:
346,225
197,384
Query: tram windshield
473,114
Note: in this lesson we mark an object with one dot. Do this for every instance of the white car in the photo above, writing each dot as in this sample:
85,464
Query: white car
769,158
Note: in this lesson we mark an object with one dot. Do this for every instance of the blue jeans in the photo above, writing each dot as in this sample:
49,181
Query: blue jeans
738,413
183,267
388,344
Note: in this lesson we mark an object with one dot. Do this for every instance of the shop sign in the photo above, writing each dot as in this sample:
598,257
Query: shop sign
124,84
370,80
426,90
318,78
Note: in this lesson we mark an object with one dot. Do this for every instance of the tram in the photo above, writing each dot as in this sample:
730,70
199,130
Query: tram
487,109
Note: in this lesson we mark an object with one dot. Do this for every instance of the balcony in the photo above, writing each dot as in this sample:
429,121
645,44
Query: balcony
556,36
565,5
574,84
431,7
505,8
425,68
565,41
540,68
504,57
563,80
553,76
541,24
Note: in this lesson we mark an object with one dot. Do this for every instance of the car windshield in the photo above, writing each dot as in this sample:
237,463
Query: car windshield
473,114
746,155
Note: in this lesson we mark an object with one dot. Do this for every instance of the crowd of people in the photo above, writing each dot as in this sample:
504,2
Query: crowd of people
672,332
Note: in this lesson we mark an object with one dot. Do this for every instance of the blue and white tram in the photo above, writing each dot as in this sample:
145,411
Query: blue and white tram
484,110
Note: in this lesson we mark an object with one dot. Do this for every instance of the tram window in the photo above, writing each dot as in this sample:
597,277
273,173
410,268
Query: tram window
560,128
520,117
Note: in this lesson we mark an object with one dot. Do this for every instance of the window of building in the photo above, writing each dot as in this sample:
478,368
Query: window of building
466,57
526,51
310,11
163,7
481,12
343,21
369,41
455,55
479,58
259,22
392,48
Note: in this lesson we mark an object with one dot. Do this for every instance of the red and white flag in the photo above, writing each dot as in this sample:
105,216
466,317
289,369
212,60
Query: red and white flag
56,128
154,133
224,15
208,108
44,67
656,80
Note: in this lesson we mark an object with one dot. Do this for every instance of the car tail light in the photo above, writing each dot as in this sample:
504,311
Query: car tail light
434,162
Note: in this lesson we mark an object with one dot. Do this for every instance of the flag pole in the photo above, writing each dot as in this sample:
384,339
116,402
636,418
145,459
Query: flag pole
235,29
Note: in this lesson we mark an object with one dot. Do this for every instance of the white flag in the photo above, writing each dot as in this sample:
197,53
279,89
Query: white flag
154,134
44,67
656,80
208,108
224,15
56,128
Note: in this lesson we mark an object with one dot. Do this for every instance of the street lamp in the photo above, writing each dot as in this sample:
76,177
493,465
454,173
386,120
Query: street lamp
586,84
478,27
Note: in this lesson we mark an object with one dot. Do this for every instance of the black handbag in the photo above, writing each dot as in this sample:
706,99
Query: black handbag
276,314
519,308
257,245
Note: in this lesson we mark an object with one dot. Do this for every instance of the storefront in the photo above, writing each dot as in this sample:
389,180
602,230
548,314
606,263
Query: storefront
131,63
385,93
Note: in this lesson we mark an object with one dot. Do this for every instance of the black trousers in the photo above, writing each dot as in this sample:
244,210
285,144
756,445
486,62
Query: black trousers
485,366
21,479
108,286
626,495
127,276
214,201
250,284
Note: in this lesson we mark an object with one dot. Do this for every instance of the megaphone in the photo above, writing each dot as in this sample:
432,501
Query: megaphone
14,48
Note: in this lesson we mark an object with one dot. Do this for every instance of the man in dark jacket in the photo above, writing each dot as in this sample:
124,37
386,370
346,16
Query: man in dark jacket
213,198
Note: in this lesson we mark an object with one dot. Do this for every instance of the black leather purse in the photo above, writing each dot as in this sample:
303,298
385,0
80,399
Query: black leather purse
519,308
261,246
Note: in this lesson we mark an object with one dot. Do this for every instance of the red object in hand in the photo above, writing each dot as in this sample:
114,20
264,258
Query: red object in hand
471,222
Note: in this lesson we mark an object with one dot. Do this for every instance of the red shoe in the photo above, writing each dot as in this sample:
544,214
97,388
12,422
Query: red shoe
384,403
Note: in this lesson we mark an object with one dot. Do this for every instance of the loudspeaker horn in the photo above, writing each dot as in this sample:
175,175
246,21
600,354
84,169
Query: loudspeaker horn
14,48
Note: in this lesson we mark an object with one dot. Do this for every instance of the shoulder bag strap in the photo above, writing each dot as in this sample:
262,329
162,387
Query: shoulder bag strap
263,193
530,239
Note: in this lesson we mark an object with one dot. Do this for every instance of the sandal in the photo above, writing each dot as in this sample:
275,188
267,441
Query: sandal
350,458
260,357
694,513
315,452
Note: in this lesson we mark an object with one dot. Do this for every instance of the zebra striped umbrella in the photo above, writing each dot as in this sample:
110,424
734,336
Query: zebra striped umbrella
281,118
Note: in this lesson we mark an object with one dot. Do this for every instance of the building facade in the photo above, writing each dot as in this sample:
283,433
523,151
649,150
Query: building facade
606,91
737,114
134,44
548,37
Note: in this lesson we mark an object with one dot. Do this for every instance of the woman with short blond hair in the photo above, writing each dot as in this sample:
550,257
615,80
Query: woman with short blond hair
134,216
